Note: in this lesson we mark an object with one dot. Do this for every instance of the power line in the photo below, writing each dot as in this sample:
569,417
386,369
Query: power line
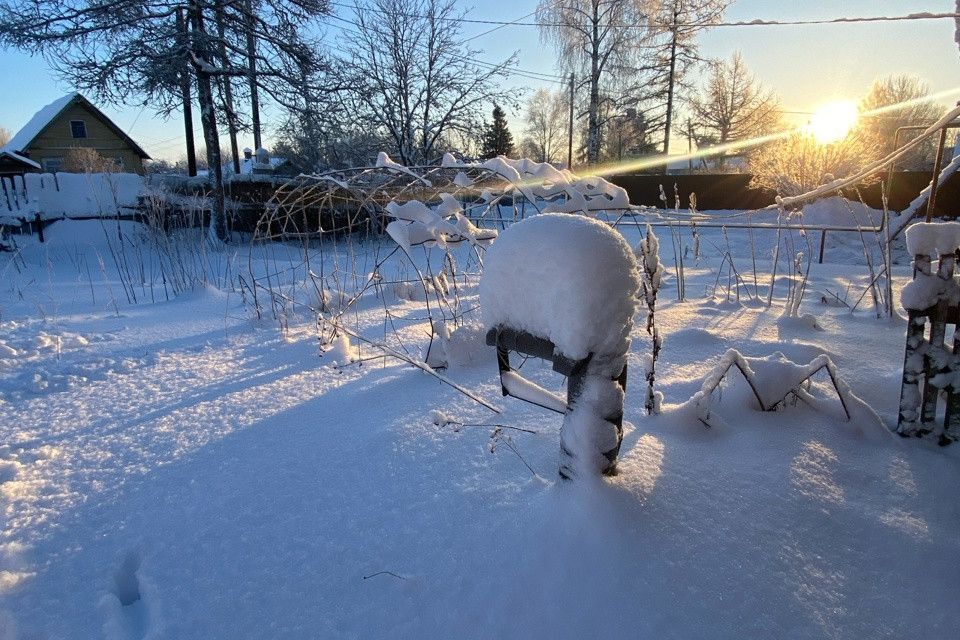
759,22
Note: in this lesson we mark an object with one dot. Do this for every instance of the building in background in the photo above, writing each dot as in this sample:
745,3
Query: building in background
63,126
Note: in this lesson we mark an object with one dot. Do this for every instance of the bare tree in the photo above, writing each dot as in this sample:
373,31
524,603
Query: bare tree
4,136
733,106
545,133
798,163
909,92
413,78
675,54
591,39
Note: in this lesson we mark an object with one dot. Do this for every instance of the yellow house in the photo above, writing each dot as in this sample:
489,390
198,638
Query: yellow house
65,124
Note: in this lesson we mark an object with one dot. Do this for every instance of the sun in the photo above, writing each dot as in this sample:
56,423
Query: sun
833,121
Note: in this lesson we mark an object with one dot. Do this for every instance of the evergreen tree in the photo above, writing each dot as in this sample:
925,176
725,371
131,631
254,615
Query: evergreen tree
497,139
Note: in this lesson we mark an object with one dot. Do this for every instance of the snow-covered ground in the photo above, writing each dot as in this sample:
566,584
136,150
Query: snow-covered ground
179,469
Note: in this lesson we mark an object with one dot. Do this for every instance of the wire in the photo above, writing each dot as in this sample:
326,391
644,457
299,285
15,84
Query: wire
738,23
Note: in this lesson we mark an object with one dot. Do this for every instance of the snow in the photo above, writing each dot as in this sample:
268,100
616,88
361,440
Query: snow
536,180
72,195
567,278
190,471
933,238
38,123
417,224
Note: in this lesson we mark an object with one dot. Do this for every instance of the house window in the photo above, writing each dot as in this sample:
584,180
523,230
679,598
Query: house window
52,165
118,163
78,128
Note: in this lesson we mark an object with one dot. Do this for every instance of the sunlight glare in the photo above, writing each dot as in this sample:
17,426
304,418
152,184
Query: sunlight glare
833,121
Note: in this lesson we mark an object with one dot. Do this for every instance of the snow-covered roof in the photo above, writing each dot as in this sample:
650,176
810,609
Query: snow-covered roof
19,158
45,116
40,121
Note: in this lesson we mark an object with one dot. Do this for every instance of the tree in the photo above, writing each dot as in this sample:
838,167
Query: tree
733,107
497,139
5,136
147,51
676,53
627,136
545,134
88,160
413,79
592,40
798,163
882,127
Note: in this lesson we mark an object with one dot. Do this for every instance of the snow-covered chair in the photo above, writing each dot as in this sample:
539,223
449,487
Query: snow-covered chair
564,288
930,366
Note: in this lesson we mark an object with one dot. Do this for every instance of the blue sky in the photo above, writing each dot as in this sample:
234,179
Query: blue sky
804,65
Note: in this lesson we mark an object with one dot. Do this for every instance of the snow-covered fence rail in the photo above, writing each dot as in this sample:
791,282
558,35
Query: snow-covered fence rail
67,195
932,301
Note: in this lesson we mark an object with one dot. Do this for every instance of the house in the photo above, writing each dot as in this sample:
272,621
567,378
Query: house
68,123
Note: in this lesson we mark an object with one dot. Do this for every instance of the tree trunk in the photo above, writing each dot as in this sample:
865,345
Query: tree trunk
593,115
671,81
208,118
252,70
228,91
184,34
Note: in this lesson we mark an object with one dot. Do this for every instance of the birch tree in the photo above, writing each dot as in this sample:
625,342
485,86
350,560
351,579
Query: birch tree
605,42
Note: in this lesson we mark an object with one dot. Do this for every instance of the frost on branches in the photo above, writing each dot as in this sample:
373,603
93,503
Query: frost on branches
651,273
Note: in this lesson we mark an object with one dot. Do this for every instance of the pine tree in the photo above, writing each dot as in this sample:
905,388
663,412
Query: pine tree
497,139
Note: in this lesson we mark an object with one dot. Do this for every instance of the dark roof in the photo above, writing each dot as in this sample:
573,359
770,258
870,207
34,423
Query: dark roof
43,118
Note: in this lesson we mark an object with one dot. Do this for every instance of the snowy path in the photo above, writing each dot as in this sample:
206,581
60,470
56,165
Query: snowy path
225,483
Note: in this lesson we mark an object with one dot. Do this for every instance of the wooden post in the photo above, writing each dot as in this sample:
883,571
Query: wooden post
935,183
910,388
39,221
938,330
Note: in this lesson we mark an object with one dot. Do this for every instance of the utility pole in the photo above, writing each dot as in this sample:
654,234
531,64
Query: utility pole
185,96
570,130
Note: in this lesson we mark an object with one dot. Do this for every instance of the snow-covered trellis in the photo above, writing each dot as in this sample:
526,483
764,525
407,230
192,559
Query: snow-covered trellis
772,380
930,366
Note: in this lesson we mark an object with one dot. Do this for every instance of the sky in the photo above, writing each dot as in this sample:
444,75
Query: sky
805,65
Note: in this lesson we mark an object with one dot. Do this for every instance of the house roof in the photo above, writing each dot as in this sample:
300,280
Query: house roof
18,158
45,117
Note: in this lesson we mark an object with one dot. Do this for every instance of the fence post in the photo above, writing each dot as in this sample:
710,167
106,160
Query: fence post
39,222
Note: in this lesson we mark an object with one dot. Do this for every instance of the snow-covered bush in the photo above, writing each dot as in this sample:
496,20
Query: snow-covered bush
651,271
